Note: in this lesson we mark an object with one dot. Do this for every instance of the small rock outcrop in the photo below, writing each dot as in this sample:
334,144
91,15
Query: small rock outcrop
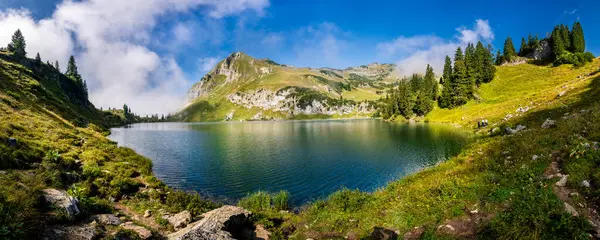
216,225
77,232
60,199
142,232
585,183
147,213
261,233
542,52
180,220
563,181
107,219
549,123
571,210
511,131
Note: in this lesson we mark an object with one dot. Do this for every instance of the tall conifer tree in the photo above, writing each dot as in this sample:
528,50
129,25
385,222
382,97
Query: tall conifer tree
18,44
509,49
558,46
577,38
523,49
460,79
565,35
471,65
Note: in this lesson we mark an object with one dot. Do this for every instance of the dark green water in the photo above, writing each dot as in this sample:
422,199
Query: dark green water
310,159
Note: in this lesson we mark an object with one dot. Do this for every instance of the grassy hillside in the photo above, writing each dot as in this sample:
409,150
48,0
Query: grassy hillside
242,73
524,85
499,186
50,138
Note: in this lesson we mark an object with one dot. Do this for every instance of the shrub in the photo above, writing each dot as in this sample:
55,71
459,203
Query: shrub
180,200
259,201
577,59
348,200
281,200
124,186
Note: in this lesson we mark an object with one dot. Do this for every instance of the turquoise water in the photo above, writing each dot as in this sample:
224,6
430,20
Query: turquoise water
310,159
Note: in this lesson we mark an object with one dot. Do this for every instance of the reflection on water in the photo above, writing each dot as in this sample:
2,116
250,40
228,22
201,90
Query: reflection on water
310,159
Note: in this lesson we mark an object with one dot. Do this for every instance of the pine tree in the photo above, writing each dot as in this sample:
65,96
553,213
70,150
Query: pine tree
431,85
38,59
73,73
85,89
533,43
480,55
577,38
557,43
488,68
509,49
445,99
18,44
447,74
57,66
405,102
416,83
523,50
499,58
565,35
471,65
460,85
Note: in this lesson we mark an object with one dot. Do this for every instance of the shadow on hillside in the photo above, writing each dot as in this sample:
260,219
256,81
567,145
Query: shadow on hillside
534,208
541,62
588,97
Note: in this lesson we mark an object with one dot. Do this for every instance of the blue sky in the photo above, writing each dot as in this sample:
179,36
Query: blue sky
190,36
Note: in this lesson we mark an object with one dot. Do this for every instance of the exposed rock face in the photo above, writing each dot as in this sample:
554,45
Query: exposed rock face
284,101
180,220
226,68
62,200
511,131
515,61
107,219
544,51
76,232
216,225
238,69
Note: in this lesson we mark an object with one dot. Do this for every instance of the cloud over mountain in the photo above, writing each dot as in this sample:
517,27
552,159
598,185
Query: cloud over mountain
415,52
111,42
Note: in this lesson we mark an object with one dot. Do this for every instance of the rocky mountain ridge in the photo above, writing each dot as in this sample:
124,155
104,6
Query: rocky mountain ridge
264,86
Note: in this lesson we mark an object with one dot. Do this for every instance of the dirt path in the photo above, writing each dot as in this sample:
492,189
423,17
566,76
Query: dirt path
572,198
149,222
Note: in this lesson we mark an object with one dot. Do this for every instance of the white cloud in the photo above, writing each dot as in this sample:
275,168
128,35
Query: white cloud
207,64
322,45
412,54
50,39
110,39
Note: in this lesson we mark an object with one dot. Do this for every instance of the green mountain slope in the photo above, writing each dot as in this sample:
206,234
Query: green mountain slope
243,88
503,185
52,138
